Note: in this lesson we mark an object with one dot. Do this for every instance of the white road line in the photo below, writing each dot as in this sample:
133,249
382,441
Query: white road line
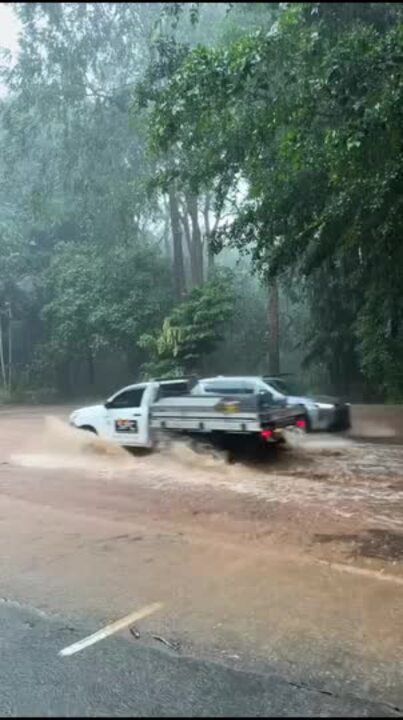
111,629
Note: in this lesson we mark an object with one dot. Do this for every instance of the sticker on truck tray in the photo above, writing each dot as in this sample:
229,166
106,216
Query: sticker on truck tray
126,426
227,406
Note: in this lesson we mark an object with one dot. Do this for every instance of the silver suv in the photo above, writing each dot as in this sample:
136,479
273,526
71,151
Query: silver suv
321,413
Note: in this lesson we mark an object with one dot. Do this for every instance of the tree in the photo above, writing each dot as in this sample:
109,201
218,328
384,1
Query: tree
194,210
74,182
73,179
244,347
75,69
192,331
102,300
303,117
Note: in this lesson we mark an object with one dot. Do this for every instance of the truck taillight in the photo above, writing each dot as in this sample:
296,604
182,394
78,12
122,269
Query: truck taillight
266,434
300,423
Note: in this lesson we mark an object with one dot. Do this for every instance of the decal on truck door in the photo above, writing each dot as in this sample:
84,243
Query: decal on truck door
126,426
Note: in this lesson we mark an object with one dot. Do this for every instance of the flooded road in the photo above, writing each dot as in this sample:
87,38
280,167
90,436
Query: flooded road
296,562
356,489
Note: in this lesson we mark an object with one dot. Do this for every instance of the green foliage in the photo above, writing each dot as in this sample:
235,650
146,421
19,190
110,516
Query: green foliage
306,119
79,231
381,346
289,116
103,300
192,331
78,251
69,148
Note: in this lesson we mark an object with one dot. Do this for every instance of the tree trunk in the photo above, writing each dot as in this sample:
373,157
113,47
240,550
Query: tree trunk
274,349
178,264
10,346
210,261
188,236
167,247
2,363
196,245
207,228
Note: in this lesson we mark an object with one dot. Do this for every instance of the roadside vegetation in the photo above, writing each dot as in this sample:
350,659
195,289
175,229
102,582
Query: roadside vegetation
190,187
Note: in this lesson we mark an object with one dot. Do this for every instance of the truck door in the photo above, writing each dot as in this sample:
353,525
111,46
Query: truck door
128,417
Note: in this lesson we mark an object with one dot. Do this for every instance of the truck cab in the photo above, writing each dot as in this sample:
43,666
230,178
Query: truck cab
124,417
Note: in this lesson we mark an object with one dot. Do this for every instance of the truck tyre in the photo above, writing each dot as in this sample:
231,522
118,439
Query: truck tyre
88,428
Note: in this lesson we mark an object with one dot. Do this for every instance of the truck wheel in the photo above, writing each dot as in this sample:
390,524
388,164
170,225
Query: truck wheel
88,428
229,457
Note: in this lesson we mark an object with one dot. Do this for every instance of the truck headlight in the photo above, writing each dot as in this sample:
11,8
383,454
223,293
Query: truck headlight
324,406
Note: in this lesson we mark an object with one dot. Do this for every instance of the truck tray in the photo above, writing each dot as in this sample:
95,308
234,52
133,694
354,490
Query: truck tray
227,413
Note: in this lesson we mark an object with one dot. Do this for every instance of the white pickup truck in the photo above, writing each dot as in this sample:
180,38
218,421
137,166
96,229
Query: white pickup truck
136,415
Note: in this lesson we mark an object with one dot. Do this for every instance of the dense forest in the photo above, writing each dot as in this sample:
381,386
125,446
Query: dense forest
195,187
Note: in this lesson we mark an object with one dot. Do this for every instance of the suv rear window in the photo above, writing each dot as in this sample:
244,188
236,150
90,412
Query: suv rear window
230,388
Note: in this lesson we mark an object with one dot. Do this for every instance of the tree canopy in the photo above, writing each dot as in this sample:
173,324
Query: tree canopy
304,121
192,331
147,146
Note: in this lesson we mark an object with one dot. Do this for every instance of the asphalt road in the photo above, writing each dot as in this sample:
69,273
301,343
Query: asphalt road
281,586
125,678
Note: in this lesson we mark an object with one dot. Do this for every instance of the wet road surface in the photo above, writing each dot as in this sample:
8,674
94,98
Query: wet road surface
292,570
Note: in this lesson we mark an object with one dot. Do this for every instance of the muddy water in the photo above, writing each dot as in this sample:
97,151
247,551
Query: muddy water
58,446
350,480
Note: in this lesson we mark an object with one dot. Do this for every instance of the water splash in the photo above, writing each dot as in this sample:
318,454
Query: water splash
326,472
